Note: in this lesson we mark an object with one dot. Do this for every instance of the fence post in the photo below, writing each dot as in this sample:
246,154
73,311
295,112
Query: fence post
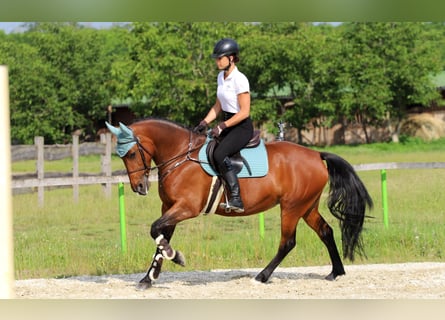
384,198
106,161
40,165
75,154
6,220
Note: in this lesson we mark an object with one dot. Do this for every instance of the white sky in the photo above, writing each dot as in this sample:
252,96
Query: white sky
15,26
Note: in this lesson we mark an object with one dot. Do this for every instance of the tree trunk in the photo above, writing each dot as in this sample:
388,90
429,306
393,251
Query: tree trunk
365,131
300,136
394,131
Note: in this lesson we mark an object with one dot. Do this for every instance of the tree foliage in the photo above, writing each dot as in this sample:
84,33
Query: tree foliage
60,78
174,76
388,67
64,75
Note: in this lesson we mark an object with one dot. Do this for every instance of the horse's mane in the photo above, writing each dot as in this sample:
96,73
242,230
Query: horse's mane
158,119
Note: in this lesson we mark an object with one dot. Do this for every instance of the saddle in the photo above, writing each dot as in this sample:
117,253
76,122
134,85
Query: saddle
236,159
250,162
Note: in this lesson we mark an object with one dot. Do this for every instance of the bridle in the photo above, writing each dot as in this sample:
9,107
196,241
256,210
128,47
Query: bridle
142,150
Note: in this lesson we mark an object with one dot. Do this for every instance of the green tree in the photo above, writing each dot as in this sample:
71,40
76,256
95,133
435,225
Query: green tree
64,75
290,60
117,44
386,68
437,30
81,71
174,76
33,100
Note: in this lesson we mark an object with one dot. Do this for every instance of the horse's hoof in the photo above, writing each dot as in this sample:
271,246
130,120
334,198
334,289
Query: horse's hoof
255,282
332,276
261,278
142,286
179,258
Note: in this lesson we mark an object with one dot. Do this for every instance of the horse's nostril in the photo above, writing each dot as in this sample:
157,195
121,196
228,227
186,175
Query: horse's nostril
142,188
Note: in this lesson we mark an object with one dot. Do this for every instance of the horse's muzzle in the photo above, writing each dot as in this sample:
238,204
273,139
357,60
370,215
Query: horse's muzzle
143,186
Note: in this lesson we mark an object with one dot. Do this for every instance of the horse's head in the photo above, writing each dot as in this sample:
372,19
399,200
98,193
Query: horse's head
135,156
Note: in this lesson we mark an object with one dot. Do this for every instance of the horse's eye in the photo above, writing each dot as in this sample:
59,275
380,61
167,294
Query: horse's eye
131,155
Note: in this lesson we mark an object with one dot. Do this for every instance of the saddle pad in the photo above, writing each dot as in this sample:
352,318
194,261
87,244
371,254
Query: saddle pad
256,157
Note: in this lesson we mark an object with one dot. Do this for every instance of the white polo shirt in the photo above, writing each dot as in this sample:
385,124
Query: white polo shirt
229,89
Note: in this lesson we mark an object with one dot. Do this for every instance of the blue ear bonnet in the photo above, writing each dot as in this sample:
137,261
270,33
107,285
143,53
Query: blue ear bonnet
125,138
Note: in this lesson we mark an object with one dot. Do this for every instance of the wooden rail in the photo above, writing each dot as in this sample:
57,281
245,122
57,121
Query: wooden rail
68,181
42,153
399,165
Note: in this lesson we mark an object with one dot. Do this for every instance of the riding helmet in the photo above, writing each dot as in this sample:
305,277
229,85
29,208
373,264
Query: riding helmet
225,47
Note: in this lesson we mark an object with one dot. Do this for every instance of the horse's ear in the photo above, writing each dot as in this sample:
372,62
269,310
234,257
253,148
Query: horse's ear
113,129
126,129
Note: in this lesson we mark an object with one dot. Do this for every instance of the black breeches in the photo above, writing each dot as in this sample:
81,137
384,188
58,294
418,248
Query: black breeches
232,140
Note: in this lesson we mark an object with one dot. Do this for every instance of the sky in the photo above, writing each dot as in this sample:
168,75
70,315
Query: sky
9,27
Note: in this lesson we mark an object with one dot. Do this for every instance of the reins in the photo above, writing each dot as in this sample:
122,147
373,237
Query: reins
147,168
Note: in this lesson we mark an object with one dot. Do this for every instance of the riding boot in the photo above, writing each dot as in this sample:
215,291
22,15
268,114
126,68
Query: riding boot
229,175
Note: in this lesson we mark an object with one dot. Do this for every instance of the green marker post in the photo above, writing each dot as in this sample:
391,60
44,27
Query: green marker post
384,198
261,224
122,218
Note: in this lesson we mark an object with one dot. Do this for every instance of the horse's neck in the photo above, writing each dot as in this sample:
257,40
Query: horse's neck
169,140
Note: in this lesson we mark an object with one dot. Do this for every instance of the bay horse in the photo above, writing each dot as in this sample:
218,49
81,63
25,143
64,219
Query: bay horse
296,178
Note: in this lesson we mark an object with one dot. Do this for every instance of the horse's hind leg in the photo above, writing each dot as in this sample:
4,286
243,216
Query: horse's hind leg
287,243
326,234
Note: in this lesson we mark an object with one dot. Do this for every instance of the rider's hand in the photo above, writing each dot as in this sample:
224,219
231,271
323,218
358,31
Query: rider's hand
201,127
218,129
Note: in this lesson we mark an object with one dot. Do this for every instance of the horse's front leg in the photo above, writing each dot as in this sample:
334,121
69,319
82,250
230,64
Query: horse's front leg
163,251
153,271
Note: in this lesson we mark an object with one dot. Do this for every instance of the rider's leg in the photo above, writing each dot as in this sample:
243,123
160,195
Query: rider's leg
232,140
229,175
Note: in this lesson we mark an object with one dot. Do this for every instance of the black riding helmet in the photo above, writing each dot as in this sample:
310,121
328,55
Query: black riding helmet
225,47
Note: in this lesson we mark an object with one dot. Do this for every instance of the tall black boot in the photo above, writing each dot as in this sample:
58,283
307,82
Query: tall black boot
235,203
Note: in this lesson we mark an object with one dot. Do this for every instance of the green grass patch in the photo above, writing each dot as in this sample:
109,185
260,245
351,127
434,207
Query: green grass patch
64,238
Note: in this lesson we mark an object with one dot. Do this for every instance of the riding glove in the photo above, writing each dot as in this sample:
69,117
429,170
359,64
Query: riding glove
218,129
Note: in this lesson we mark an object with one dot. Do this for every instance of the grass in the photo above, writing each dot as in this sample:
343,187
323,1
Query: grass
64,238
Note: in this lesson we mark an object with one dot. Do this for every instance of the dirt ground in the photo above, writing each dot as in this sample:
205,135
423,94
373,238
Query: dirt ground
374,281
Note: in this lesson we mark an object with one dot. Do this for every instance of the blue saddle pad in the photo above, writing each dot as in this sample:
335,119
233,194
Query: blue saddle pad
256,157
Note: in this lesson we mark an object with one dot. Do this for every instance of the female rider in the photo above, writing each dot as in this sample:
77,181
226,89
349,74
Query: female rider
235,131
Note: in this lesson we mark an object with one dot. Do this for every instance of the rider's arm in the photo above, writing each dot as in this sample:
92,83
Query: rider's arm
213,112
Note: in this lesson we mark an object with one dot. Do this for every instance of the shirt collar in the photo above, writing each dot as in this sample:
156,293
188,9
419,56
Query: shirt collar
230,76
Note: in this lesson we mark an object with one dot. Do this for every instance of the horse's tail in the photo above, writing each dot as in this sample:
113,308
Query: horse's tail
347,201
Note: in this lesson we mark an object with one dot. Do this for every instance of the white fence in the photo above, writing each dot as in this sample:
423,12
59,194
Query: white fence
40,153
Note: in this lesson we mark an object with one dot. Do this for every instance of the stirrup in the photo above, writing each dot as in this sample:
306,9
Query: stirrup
228,208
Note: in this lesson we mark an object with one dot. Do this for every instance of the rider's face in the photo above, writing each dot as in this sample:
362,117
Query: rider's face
222,62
